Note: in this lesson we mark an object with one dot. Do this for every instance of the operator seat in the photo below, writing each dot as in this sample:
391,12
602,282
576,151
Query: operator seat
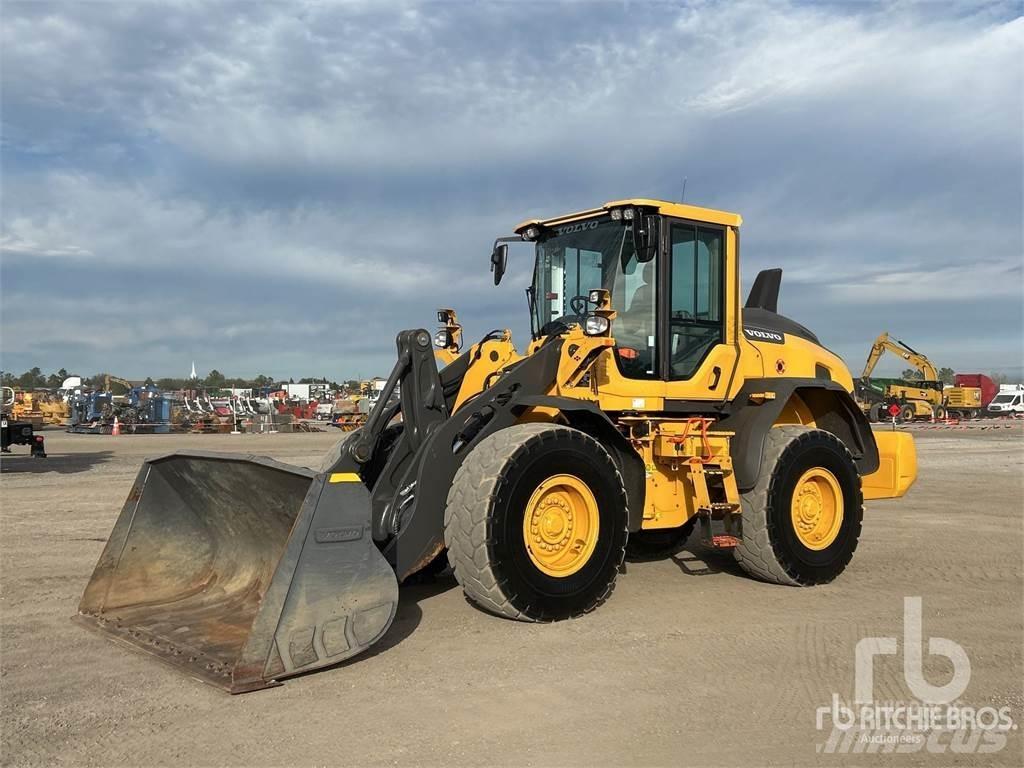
636,322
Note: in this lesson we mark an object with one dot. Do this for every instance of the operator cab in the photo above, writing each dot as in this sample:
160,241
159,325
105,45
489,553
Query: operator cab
634,250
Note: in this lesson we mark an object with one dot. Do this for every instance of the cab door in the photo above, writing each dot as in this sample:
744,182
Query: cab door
699,339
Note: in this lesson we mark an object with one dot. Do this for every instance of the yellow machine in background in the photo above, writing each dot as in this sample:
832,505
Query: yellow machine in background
647,402
926,398
23,406
966,399
35,408
53,409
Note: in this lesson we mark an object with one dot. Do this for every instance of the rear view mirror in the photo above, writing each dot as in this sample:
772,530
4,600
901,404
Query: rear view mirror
645,238
499,260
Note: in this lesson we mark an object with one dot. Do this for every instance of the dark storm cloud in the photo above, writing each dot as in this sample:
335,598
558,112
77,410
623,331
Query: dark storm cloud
279,188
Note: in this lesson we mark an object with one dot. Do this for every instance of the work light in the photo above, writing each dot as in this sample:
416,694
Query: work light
595,325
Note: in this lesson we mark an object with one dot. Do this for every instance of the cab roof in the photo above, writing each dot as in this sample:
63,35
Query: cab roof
679,210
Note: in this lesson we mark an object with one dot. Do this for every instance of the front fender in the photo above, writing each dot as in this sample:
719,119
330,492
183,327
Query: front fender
415,513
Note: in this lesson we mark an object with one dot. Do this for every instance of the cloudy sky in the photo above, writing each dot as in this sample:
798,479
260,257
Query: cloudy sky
280,187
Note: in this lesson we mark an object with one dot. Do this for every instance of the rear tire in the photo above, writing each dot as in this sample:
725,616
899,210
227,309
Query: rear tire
771,548
939,413
908,413
487,507
875,413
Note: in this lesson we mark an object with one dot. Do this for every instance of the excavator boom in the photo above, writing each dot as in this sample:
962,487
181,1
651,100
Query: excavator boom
885,344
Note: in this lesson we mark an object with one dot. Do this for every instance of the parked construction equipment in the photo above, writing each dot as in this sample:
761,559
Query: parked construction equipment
970,395
16,432
647,401
921,398
924,398
142,410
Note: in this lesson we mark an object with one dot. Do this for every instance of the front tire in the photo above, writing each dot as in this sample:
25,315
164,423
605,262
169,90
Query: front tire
802,520
535,523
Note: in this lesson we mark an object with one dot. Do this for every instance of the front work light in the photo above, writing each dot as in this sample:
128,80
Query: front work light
442,339
596,325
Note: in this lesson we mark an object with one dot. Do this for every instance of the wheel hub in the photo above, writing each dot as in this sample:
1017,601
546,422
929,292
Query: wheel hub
817,508
560,525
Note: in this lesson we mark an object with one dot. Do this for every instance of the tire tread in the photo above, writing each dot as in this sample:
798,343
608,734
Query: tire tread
756,553
467,516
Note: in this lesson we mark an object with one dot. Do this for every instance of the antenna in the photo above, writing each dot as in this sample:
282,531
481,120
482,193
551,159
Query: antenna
682,196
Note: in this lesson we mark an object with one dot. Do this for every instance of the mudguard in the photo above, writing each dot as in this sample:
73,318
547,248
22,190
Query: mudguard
751,423
415,513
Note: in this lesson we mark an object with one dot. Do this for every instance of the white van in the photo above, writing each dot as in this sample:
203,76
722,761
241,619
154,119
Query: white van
1009,401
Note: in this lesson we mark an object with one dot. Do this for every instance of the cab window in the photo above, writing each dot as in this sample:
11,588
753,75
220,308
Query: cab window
695,308
634,299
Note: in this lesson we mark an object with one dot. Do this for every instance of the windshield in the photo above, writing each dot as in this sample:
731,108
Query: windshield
1002,398
598,253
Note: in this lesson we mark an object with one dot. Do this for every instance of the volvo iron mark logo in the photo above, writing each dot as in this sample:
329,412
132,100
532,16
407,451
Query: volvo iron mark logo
582,226
759,334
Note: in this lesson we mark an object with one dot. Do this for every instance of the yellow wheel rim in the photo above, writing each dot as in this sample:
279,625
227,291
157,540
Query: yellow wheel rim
560,525
817,508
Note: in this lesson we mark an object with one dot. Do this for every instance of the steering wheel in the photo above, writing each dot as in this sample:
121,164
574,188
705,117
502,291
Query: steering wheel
578,305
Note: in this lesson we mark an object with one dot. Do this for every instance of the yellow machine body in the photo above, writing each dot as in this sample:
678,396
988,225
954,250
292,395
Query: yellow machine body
680,454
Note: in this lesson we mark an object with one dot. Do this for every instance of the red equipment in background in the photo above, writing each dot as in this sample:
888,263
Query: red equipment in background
989,388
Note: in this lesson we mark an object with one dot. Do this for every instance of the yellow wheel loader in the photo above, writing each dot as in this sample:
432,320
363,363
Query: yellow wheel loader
647,402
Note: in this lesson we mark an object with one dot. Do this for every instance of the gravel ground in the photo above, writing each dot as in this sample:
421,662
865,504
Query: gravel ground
689,663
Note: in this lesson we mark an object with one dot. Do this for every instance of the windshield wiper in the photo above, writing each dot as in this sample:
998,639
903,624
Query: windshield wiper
531,303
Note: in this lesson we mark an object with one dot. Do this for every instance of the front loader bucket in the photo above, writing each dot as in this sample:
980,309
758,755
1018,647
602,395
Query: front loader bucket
242,570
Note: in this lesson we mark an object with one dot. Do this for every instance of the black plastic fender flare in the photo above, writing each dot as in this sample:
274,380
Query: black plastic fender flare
751,423
587,417
416,511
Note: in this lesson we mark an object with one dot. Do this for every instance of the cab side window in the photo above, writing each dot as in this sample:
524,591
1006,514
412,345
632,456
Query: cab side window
634,298
695,310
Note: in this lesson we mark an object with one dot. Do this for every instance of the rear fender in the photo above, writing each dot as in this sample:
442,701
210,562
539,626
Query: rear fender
831,405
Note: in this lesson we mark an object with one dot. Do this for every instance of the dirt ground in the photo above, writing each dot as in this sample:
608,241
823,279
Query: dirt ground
689,663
